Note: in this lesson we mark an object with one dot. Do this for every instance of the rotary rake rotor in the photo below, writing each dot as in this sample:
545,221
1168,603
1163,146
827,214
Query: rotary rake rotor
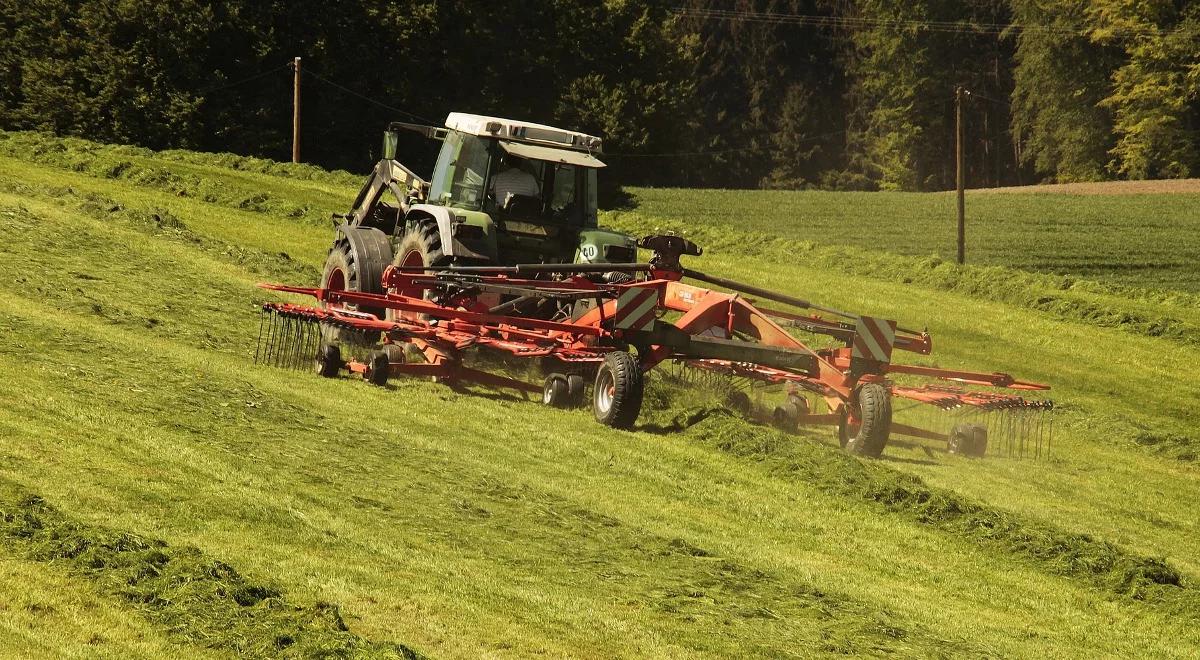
593,331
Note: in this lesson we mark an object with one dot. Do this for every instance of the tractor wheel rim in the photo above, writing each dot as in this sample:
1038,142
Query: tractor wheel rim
413,259
605,393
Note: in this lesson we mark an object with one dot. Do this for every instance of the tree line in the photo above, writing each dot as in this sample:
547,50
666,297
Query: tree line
836,94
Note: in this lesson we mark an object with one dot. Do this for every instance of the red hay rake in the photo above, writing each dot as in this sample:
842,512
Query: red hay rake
593,330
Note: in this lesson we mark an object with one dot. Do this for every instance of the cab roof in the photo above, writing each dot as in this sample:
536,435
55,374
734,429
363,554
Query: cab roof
523,131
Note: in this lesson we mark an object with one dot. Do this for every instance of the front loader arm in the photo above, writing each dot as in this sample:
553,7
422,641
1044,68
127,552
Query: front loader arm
388,174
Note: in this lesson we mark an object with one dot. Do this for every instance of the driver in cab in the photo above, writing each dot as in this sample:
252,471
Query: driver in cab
513,179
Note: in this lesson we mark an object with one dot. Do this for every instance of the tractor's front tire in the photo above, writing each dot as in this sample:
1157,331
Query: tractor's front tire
617,395
420,248
873,403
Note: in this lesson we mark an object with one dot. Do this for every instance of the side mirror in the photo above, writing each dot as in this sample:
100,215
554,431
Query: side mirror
390,141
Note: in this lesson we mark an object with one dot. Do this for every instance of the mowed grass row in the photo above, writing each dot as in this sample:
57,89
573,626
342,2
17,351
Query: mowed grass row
1138,240
463,539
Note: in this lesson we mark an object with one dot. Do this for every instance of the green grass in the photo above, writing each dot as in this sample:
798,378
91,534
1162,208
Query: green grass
467,523
1140,240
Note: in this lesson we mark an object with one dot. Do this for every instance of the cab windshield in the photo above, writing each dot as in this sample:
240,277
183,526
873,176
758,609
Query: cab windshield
461,171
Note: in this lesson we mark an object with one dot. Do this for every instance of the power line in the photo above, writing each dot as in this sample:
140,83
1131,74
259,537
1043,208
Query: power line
811,138
977,95
243,81
857,22
366,98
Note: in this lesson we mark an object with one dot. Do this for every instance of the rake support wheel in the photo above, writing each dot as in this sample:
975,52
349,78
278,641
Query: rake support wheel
576,390
873,404
968,440
378,368
329,361
617,396
555,392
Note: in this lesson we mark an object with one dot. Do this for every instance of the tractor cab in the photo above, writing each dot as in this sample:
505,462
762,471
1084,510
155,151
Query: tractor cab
536,183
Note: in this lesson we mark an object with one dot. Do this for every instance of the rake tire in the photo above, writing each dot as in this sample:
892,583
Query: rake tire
874,405
740,403
968,440
329,361
379,367
556,392
617,395
576,390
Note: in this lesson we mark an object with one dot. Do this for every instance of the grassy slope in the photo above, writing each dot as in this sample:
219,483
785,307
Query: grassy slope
488,534
1142,240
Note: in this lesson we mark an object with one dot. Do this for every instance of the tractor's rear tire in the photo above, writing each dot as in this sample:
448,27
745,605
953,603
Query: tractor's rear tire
873,403
617,395
420,248
346,270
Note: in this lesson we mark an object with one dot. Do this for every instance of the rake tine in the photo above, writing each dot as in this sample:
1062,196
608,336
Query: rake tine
272,337
302,344
287,337
298,330
262,312
301,338
309,350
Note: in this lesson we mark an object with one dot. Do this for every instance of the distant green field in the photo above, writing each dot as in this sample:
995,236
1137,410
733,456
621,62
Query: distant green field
1140,240
308,517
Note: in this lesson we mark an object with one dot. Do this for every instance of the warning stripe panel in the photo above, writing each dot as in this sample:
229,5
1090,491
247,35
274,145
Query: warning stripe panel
636,308
873,339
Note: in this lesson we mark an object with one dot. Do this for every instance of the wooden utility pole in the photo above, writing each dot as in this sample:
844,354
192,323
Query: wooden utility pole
296,111
958,148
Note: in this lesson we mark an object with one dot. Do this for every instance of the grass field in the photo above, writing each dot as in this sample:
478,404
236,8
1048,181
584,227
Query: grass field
1144,240
163,496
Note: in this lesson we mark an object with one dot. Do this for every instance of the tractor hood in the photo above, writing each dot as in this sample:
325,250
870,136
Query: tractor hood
535,152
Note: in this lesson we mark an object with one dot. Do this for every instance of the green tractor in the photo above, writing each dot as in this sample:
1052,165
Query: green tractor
503,192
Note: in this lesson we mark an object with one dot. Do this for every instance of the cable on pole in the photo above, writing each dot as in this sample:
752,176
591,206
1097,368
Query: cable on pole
366,98
243,81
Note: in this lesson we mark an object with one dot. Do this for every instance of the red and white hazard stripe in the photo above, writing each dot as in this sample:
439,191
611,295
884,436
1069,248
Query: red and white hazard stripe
636,307
873,339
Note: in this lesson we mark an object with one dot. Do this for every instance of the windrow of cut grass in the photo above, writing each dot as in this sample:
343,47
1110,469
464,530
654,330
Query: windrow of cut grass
203,602
1139,240
301,192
